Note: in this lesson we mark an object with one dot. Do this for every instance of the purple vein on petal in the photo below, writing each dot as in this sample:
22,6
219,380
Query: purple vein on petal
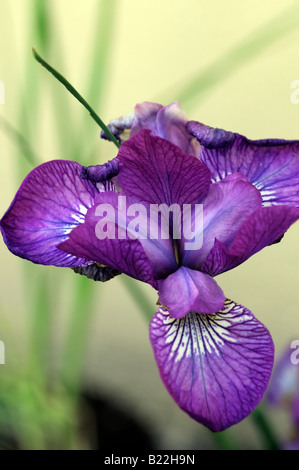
51,201
216,367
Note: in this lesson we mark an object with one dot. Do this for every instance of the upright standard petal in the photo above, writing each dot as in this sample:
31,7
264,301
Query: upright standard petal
145,117
168,122
260,229
216,367
155,171
52,200
272,165
187,290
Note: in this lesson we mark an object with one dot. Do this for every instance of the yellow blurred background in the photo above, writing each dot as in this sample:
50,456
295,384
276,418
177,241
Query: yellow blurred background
156,49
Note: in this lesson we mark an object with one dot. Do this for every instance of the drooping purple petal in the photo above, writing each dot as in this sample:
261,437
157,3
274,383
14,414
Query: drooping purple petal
168,122
227,205
155,171
261,229
52,200
144,259
187,290
272,165
216,367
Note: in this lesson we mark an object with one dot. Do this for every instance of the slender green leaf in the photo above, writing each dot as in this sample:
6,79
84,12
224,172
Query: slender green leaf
102,50
224,441
21,142
264,428
101,47
75,342
77,95
146,307
257,42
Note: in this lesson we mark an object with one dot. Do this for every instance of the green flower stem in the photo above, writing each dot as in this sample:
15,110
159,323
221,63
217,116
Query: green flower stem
77,334
138,295
265,429
224,441
40,324
20,141
77,95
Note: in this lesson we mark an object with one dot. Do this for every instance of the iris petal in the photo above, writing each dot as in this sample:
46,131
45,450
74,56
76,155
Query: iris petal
52,200
145,116
144,259
155,171
216,367
168,122
259,230
272,165
186,290
227,205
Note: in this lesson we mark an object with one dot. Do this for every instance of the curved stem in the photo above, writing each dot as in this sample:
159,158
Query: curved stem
264,427
77,95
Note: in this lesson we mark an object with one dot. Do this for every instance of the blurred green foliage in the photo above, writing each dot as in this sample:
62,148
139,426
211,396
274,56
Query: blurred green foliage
39,408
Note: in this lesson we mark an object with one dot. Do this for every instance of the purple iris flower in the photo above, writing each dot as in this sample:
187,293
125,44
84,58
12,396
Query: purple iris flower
215,358
283,391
